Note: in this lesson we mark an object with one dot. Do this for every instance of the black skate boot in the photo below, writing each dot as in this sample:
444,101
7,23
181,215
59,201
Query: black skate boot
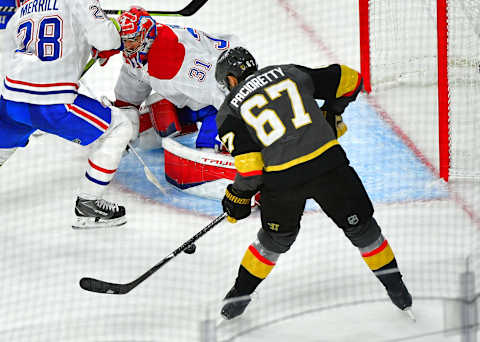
234,307
98,214
400,296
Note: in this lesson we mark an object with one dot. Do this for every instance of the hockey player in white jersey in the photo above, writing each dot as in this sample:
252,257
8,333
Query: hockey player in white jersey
49,43
178,64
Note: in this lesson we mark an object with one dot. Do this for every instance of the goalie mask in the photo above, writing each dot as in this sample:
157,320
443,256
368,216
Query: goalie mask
138,31
236,62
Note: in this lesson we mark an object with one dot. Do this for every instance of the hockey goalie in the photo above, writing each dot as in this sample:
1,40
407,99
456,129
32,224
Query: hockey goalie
168,73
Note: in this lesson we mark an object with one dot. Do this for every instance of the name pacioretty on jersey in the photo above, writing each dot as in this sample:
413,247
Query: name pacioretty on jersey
255,83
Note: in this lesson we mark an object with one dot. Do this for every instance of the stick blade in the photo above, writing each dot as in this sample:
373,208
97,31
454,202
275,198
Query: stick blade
154,180
100,286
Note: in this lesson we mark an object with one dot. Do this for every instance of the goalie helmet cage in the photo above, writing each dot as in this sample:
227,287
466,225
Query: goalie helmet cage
429,43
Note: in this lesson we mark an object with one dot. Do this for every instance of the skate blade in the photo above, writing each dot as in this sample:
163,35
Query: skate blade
90,223
410,313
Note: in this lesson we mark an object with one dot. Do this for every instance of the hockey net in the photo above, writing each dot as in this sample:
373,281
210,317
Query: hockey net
429,48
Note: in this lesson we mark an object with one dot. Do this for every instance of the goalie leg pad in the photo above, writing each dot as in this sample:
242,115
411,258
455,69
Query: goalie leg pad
164,117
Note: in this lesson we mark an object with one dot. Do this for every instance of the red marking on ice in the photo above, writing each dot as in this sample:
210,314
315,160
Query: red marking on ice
310,32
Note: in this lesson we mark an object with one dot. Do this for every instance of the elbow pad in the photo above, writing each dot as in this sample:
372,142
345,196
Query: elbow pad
349,87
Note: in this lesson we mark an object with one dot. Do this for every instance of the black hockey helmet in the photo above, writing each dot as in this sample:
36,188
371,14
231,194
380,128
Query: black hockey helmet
236,62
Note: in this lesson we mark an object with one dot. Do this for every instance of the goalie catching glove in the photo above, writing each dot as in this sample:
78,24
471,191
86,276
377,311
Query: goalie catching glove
237,204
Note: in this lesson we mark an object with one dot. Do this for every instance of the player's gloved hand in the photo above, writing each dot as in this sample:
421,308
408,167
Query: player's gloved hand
339,104
103,56
336,122
236,204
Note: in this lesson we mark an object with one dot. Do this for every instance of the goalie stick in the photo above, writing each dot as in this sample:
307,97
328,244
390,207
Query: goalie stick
100,286
187,11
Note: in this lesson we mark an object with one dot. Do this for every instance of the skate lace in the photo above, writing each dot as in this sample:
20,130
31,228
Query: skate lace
105,205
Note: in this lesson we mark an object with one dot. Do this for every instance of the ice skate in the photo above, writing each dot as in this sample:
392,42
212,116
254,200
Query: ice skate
235,304
400,296
98,214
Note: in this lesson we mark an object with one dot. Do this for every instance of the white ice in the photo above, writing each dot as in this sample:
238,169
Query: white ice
42,258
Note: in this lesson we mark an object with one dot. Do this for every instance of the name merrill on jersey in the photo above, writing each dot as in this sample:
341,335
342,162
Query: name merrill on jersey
38,6
256,83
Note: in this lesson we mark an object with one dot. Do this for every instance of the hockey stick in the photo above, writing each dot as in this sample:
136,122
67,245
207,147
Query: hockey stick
150,176
90,63
100,286
187,11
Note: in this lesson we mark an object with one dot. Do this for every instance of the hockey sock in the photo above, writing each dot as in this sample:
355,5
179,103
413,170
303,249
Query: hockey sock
105,156
381,260
257,263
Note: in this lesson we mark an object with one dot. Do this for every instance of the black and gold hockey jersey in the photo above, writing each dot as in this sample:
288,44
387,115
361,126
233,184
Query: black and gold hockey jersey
275,130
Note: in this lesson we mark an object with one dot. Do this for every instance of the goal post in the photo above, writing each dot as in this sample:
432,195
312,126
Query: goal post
429,44
443,89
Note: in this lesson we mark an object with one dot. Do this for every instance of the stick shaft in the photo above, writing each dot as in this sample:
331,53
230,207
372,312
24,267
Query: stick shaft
100,286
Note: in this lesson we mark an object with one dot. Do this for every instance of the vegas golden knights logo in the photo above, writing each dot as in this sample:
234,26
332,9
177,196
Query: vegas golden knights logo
273,226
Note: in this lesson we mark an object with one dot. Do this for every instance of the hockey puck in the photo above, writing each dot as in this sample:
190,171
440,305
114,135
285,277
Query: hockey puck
190,249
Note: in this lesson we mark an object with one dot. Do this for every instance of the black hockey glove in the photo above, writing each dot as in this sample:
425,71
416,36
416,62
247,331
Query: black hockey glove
236,204
336,122
338,105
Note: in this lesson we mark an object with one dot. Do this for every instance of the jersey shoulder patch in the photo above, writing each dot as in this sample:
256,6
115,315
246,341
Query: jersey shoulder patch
166,55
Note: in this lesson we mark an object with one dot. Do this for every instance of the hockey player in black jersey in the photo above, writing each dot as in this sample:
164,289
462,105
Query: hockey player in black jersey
286,147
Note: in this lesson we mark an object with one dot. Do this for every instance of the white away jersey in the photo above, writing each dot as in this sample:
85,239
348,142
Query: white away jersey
50,44
180,68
